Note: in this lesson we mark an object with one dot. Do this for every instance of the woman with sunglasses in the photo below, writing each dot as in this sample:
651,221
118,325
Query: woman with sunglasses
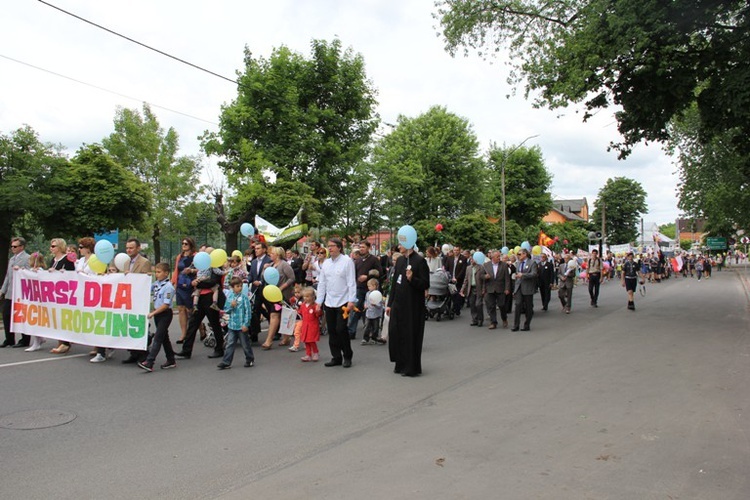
60,262
182,278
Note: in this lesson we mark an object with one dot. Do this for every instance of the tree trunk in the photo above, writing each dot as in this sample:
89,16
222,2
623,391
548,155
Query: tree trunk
231,228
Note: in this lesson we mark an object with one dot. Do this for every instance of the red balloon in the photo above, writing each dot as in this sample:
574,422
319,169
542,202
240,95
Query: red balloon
72,257
565,242
438,227
556,239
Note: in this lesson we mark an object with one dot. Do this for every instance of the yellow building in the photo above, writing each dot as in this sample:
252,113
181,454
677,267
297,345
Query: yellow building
567,211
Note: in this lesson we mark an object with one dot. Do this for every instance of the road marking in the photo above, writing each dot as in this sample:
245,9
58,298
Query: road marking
42,360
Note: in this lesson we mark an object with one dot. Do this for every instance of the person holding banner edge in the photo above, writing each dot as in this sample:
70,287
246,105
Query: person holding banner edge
19,260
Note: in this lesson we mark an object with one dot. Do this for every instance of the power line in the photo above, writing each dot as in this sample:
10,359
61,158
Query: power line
140,43
106,90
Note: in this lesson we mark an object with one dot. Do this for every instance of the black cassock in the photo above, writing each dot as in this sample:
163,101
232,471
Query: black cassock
407,303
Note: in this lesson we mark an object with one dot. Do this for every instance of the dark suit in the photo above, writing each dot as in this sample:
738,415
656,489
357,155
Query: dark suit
546,279
255,273
523,291
456,267
496,284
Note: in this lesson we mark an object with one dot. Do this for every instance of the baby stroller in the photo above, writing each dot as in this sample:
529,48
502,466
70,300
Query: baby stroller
439,302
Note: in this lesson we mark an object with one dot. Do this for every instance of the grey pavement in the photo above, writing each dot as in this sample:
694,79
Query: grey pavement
602,404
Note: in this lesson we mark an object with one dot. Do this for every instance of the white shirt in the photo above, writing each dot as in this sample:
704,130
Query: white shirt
337,283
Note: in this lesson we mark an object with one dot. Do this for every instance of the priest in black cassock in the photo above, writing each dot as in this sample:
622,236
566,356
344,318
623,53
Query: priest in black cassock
406,308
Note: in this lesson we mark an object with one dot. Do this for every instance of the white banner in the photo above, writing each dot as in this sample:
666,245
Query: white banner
620,249
103,311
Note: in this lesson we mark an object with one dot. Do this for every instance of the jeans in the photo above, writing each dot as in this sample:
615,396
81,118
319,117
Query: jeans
230,343
354,317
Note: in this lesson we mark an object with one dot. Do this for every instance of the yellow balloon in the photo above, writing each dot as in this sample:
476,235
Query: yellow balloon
272,293
237,253
218,258
96,265
516,250
536,250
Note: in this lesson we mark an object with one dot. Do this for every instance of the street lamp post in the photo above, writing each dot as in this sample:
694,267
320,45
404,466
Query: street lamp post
502,179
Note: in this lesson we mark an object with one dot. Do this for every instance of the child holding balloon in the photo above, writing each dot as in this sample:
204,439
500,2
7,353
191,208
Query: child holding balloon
374,308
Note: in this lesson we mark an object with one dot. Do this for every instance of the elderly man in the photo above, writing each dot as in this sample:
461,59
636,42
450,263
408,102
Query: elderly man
496,287
546,280
19,260
523,292
140,265
337,292
456,264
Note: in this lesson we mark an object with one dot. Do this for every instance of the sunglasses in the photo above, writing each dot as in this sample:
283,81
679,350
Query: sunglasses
321,253
15,246
185,243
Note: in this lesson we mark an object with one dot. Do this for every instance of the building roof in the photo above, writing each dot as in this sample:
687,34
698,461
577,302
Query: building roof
575,205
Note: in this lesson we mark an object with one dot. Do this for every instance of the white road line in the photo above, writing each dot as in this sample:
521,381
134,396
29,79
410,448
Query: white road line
43,359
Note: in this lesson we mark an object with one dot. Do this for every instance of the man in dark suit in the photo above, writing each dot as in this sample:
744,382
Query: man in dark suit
496,287
546,279
455,264
255,278
523,292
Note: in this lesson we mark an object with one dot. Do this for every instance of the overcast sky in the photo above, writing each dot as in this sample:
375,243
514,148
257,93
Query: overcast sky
404,57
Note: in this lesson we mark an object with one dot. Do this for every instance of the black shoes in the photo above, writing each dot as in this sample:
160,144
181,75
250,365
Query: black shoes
248,364
149,367
223,366
182,355
514,329
525,329
20,344
168,365
5,344
474,323
347,363
335,362
216,354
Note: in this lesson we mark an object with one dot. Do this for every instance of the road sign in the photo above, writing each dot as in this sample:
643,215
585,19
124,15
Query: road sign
716,243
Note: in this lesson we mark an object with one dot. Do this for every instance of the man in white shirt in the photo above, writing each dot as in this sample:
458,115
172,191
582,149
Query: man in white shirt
337,292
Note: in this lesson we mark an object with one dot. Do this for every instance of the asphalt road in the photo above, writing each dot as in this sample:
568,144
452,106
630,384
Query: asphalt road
599,404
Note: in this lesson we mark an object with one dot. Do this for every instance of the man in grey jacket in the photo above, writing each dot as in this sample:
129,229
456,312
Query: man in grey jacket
19,260
523,292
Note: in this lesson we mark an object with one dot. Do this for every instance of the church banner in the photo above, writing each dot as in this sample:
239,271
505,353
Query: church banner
104,311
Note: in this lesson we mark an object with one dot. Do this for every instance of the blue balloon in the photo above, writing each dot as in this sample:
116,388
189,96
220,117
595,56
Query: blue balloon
407,237
104,251
271,275
202,261
247,229
526,245
504,250
478,257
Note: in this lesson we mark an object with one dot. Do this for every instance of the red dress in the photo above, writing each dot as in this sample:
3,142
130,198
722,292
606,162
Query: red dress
310,322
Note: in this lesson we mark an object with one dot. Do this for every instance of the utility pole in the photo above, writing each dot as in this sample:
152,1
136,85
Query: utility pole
604,234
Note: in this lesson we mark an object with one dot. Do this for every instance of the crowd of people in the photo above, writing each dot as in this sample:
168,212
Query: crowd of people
334,291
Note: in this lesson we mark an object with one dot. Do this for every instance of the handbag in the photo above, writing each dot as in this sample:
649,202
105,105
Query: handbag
384,329
288,319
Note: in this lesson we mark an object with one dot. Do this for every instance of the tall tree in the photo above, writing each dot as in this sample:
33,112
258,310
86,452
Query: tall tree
527,183
430,167
624,201
25,166
93,193
714,174
146,149
300,119
651,58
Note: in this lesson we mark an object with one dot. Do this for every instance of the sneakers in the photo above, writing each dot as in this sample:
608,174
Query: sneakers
380,341
146,366
371,342
364,342
305,359
249,364
168,365
223,366
315,356
34,347
98,359
294,348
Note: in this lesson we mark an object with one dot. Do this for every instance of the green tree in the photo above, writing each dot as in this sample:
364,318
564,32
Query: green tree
714,174
527,183
95,193
650,58
430,167
474,230
668,230
146,149
26,164
297,119
575,233
624,201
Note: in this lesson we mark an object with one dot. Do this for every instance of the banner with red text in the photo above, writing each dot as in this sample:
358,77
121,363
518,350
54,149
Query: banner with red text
105,311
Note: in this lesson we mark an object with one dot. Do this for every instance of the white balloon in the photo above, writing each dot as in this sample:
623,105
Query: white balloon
121,261
375,297
447,248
